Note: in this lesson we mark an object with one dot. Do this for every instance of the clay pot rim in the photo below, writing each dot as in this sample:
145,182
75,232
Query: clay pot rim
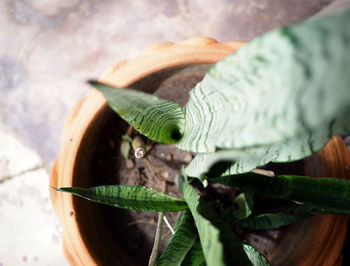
157,57
154,58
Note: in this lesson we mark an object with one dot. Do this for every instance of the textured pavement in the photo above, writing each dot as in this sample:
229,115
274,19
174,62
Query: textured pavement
48,49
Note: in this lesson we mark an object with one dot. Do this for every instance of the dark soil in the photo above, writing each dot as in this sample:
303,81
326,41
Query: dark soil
158,169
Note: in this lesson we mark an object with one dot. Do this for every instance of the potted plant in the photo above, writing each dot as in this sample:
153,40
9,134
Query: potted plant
227,149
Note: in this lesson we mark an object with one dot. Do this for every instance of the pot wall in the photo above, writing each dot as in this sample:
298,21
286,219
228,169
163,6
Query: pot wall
86,238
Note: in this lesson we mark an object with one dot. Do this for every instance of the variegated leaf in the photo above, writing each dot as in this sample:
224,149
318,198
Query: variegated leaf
270,220
181,242
245,160
157,119
326,194
290,83
130,197
195,256
219,243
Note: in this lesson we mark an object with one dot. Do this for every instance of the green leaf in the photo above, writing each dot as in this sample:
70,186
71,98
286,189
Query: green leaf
244,203
296,148
280,217
270,220
181,242
330,195
130,197
159,120
256,258
231,162
219,243
195,256
125,149
127,138
289,84
224,162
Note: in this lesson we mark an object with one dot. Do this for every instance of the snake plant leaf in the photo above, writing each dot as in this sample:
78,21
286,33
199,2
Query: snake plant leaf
159,120
327,194
302,209
280,217
244,204
130,197
181,242
289,83
256,258
219,243
294,149
195,256
270,220
242,161
227,162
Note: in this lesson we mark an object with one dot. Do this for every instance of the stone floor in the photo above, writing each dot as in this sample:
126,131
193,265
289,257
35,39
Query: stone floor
48,49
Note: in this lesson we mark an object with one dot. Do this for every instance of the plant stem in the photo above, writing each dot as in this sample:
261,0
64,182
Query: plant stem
139,147
154,255
158,238
264,172
168,224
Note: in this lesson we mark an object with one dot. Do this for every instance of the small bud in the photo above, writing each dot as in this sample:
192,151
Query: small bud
139,147
139,153
124,149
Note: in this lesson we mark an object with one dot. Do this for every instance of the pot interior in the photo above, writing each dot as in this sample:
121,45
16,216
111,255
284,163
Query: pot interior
116,236
113,235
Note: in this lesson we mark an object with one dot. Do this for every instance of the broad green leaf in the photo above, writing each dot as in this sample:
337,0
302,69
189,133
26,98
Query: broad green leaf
226,162
181,242
288,84
195,256
256,258
302,209
242,161
157,119
219,243
327,194
286,151
130,197
296,148
280,217
270,220
244,204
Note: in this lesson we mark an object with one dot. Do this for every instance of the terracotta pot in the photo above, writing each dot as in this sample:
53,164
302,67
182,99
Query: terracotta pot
89,238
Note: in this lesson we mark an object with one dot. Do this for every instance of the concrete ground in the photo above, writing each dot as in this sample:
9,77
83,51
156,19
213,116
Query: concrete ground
48,49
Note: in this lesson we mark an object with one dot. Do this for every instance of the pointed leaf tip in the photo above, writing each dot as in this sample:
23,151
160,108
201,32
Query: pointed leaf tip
130,197
93,82
54,188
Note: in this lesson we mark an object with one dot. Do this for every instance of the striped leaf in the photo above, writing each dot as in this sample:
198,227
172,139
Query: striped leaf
329,195
195,256
181,242
204,162
159,120
270,220
231,162
255,257
130,197
220,244
290,84
280,217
